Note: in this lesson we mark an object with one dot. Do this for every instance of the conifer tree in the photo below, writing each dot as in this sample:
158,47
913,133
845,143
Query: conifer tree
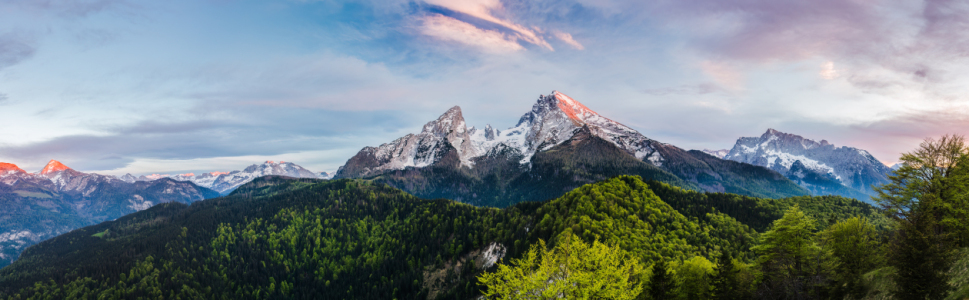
928,198
787,257
855,251
726,286
661,284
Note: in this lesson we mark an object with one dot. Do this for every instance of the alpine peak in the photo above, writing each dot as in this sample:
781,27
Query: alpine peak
9,168
575,110
52,167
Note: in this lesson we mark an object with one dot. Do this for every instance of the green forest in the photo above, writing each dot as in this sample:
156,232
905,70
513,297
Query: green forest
619,238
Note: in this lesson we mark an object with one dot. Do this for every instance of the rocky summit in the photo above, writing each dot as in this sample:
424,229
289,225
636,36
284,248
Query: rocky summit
854,168
473,162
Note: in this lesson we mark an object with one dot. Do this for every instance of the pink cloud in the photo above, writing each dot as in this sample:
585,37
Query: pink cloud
485,10
724,74
567,38
450,29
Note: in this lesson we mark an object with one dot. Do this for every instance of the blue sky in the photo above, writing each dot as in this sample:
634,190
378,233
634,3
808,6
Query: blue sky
116,86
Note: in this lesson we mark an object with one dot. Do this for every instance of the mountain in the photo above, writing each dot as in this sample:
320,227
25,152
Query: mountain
717,153
226,182
499,168
279,238
38,206
822,165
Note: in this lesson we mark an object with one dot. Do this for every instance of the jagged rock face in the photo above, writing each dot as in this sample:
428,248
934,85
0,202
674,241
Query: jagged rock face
852,167
499,166
226,182
821,184
38,206
553,119
416,150
717,153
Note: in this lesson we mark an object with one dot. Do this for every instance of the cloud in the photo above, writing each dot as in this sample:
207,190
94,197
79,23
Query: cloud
15,48
567,38
692,89
723,73
252,131
450,29
484,9
67,8
827,71
922,42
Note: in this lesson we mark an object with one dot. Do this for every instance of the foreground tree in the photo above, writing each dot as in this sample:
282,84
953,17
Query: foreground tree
726,281
855,251
927,199
572,270
788,258
693,279
661,283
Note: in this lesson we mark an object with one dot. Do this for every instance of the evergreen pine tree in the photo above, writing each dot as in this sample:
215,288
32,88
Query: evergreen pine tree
725,283
928,198
661,285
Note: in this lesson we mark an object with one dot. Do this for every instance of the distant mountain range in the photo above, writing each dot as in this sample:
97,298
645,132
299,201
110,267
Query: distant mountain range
226,182
820,167
557,146
58,199
717,153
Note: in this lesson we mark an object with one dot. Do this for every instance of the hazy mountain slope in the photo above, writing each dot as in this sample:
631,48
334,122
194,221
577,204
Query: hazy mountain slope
35,207
225,182
852,167
498,168
278,238
717,153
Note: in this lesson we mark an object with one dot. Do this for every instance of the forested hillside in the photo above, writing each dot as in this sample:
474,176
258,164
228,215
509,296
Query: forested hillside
309,239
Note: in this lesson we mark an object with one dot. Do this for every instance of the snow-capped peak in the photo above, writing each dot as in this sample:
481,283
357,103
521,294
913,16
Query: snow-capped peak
552,120
853,167
8,168
556,117
717,153
53,167
225,182
575,110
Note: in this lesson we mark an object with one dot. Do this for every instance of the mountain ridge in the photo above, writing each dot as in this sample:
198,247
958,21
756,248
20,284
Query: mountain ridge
57,199
226,182
553,120
856,169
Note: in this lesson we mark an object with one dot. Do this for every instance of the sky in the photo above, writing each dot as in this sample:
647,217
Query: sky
142,87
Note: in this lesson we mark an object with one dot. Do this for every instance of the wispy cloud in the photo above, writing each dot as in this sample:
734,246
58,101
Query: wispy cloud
14,48
723,73
450,29
567,38
484,10
828,71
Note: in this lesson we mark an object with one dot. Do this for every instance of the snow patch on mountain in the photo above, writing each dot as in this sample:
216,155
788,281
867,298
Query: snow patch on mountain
225,182
717,153
138,203
852,167
552,120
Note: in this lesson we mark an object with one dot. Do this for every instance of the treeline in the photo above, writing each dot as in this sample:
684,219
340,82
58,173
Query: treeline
281,238
914,246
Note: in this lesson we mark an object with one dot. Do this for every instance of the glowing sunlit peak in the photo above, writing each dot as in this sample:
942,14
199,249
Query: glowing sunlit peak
270,162
7,167
217,173
572,108
188,175
53,166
